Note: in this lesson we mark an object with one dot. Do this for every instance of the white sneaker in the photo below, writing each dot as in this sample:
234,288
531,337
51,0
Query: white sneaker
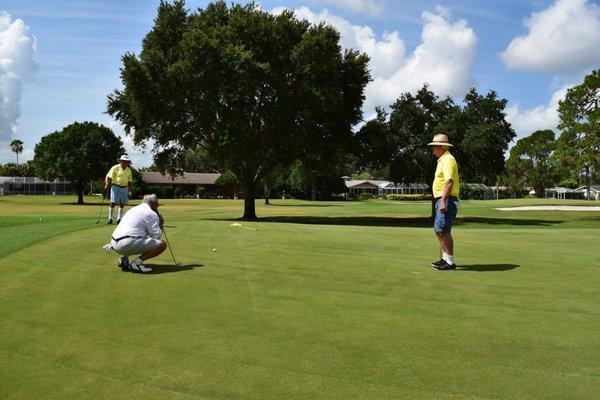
139,267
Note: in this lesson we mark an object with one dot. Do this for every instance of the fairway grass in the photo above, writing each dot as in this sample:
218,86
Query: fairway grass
326,300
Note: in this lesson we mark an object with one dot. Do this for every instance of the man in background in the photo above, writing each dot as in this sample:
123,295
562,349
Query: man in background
120,180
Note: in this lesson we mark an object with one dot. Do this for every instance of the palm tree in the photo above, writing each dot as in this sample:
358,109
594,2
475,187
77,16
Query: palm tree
17,147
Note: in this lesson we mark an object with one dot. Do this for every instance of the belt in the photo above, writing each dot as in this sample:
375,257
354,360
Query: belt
126,237
114,184
454,198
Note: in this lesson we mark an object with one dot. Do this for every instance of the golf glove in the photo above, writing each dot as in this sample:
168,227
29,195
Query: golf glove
107,248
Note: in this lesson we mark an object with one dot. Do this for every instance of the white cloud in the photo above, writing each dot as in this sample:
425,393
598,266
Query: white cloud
443,59
565,36
371,7
17,66
526,122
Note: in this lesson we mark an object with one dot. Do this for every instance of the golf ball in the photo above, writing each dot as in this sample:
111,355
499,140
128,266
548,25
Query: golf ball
214,250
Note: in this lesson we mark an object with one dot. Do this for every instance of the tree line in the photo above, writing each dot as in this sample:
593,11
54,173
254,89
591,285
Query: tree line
273,103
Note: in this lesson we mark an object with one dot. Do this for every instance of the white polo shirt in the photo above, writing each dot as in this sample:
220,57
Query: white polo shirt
139,221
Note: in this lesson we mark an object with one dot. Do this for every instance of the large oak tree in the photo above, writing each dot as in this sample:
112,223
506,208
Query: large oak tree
256,90
79,153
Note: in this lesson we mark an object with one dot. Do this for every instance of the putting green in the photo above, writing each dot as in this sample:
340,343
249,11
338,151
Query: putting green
325,300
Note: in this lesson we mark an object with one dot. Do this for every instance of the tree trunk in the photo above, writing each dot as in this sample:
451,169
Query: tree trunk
314,191
80,189
588,183
249,206
267,194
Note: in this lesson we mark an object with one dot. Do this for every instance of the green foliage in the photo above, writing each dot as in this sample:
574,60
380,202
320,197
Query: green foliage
570,183
530,164
408,197
362,176
257,90
79,153
177,193
478,130
466,192
162,191
12,169
481,136
200,190
364,196
16,146
579,144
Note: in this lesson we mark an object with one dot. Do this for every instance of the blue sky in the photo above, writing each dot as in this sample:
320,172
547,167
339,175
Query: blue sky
522,49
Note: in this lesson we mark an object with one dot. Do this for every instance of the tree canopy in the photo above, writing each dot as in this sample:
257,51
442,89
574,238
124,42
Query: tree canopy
530,162
16,147
256,90
478,130
579,143
78,153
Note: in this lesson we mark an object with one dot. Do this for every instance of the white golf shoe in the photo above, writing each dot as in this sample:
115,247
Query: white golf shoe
137,266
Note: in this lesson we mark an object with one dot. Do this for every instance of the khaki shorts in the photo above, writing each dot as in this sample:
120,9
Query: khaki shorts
131,246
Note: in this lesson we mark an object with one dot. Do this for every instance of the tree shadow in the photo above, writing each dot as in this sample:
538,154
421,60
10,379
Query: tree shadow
170,268
301,205
507,221
402,222
91,203
487,267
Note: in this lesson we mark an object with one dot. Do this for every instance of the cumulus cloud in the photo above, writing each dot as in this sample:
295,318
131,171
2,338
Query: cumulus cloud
17,66
563,37
525,122
443,59
371,7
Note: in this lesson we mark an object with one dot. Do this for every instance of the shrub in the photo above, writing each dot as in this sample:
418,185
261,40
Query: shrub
364,196
177,193
413,197
200,191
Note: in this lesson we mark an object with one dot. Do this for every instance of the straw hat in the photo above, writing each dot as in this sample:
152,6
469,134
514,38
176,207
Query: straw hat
440,140
125,158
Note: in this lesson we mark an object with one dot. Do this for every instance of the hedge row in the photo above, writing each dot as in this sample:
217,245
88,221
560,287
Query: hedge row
408,197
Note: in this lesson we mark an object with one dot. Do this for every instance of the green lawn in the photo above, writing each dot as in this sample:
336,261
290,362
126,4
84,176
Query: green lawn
327,300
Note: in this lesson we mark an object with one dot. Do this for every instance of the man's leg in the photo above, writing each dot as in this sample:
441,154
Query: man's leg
154,252
138,266
110,212
120,215
448,245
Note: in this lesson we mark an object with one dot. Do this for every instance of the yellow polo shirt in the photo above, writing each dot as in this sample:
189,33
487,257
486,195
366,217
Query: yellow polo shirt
120,176
446,169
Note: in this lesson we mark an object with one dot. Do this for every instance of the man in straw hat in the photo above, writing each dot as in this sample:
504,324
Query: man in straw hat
445,192
120,180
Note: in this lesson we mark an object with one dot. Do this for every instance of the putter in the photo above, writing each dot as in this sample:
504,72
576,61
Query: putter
175,263
101,207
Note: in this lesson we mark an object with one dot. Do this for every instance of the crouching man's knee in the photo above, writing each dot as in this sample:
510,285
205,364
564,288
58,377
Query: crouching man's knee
162,246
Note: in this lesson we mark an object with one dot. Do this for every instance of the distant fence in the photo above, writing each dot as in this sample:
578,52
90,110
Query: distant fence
30,185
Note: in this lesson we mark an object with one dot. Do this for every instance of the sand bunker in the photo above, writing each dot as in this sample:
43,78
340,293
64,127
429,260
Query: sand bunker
550,208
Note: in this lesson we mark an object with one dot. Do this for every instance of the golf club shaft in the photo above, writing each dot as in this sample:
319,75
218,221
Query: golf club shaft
168,243
101,207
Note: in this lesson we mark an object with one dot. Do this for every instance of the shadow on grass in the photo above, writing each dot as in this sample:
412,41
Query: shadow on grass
487,267
302,205
170,268
407,222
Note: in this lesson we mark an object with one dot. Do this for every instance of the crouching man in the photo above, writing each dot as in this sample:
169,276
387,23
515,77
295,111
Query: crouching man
139,233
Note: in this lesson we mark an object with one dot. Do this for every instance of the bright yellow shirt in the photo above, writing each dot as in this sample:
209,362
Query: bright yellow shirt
446,169
120,176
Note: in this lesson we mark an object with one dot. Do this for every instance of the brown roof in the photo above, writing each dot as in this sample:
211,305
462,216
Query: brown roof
188,178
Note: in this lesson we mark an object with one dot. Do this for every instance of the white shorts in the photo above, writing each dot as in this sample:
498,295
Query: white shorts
131,246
